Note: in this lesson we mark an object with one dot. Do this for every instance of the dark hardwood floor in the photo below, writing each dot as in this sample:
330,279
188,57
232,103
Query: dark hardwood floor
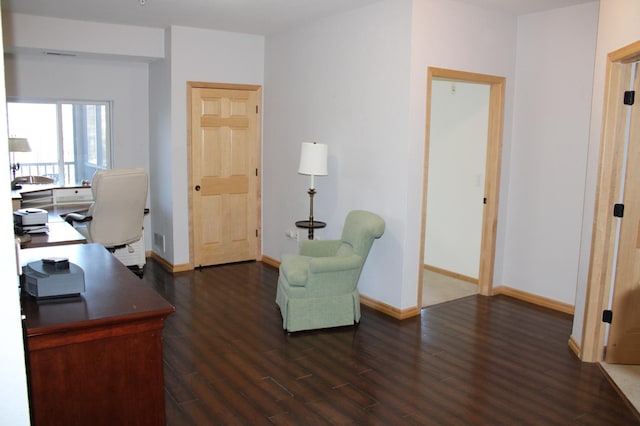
475,361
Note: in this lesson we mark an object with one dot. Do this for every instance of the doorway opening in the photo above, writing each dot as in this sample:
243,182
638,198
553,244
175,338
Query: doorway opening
446,165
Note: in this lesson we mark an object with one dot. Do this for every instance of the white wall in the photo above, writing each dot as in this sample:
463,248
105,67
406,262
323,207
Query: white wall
548,158
617,27
35,34
195,55
161,151
454,35
457,163
14,404
342,81
123,83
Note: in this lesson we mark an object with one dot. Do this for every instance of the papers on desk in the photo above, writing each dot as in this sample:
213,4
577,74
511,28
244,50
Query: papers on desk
33,229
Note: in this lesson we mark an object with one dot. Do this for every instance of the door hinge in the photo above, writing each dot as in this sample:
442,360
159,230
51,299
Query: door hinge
484,200
256,109
256,233
607,315
618,210
629,97
256,171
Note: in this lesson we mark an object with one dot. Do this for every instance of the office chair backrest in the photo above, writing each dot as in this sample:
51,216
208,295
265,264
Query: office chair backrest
120,196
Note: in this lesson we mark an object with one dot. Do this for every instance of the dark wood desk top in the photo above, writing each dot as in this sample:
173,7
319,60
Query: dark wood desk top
113,293
60,233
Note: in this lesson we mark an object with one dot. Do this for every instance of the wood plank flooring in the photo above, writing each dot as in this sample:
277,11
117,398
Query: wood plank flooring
474,361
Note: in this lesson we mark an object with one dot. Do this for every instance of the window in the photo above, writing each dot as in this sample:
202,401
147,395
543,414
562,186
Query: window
69,141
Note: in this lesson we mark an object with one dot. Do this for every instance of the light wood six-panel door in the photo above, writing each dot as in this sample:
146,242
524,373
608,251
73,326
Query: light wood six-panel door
225,152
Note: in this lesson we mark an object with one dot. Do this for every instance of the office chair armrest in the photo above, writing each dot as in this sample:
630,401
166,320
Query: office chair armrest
77,217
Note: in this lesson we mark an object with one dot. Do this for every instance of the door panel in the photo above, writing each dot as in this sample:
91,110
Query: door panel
624,334
224,165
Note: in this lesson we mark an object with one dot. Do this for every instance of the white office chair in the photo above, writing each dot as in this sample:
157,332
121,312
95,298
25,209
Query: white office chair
115,219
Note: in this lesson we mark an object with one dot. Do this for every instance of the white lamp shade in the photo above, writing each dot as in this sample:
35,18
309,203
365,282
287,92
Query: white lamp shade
313,159
19,145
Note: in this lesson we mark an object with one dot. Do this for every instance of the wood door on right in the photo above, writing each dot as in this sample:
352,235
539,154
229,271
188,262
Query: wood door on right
623,346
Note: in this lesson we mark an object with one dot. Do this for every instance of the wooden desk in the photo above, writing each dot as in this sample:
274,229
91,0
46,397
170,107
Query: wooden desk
96,359
60,233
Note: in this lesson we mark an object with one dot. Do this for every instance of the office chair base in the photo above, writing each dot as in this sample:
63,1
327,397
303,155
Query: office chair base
139,271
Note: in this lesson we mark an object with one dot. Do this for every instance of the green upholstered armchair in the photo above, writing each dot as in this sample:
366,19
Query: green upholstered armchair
318,287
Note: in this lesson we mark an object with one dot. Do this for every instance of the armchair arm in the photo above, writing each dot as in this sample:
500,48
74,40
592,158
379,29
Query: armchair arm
319,248
77,217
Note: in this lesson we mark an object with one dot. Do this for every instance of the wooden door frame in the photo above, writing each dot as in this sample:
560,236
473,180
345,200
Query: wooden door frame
492,171
591,347
248,87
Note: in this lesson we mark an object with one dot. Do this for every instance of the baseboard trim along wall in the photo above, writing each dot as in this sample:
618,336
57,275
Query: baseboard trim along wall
168,265
414,310
388,309
535,299
451,274
574,346
271,261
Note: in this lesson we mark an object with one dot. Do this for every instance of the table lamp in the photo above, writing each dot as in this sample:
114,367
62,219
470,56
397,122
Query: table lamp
313,162
17,145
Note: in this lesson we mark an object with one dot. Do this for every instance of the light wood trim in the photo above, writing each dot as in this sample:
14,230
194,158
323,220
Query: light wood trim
470,77
492,171
425,182
535,299
607,193
271,261
168,266
392,311
258,161
492,186
230,86
574,346
451,274
627,54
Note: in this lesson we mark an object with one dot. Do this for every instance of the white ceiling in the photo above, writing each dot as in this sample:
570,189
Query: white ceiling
246,16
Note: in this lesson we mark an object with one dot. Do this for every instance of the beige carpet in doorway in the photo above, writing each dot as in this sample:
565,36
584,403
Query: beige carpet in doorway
627,378
438,288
